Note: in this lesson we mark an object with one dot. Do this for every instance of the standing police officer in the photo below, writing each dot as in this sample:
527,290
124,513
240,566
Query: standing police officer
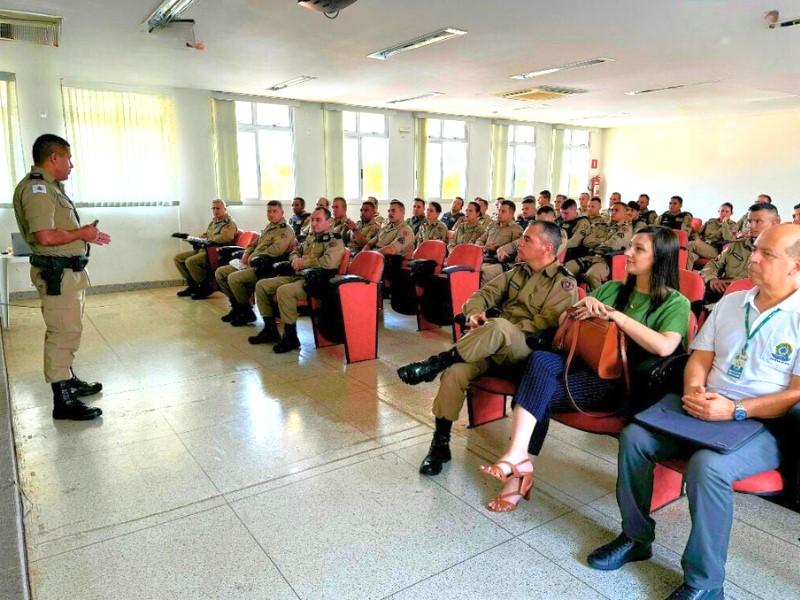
49,222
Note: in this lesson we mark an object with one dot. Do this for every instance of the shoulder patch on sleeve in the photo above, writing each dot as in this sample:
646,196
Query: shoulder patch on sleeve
39,188
568,284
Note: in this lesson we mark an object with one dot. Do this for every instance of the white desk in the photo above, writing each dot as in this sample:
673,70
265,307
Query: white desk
5,260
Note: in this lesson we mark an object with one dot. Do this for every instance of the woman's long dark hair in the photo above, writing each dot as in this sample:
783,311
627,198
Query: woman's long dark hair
663,275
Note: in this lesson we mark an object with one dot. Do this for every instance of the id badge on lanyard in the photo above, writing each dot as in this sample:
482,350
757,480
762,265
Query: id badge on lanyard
736,368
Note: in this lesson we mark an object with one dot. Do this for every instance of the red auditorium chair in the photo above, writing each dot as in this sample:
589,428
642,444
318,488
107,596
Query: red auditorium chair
357,290
432,251
463,272
697,223
303,305
618,267
683,253
739,285
693,287
242,239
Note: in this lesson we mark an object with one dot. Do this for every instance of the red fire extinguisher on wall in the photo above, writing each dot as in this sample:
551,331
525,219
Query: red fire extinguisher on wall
594,185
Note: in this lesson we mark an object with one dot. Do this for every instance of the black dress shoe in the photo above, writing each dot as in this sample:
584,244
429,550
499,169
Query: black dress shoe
85,388
289,341
687,592
67,406
202,292
244,316
615,554
188,291
227,318
427,370
268,335
438,454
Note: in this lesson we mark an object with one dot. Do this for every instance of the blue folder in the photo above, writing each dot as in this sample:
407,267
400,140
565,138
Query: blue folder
667,416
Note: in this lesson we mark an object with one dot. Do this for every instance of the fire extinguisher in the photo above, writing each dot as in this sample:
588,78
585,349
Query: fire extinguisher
594,185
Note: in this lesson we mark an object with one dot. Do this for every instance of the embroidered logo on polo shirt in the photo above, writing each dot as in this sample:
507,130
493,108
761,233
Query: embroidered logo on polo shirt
783,353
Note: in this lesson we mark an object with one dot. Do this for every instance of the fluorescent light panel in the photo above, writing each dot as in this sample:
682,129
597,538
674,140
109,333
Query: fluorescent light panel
568,67
667,88
420,97
429,38
290,82
592,117
167,11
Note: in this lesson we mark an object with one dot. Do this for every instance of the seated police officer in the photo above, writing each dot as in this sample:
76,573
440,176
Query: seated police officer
417,218
499,233
272,245
744,365
469,229
321,249
713,235
676,217
742,224
395,237
645,213
576,227
193,264
634,217
300,218
358,233
732,263
528,300
49,221
432,228
528,214
455,214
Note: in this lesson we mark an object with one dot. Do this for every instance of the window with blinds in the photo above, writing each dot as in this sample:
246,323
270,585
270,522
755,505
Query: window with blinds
11,159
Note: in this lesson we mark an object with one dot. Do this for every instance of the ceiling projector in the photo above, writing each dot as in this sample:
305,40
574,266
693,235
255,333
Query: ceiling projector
330,8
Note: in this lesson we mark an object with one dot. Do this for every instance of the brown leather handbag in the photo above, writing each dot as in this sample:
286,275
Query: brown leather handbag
599,344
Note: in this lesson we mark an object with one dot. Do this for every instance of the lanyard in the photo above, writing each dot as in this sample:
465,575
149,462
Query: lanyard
750,335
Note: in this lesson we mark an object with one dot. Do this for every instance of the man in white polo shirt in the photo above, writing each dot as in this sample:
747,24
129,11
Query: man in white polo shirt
744,365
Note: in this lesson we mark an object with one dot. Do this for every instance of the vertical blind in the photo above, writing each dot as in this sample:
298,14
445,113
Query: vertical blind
11,164
122,146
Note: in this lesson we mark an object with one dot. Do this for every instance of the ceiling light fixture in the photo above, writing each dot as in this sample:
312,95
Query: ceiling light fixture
166,13
567,67
290,82
592,117
426,40
669,87
420,97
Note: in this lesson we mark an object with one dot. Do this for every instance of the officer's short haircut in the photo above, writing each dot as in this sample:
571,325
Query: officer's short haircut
549,232
546,210
274,203
529,200
770,208
633,205
569,203
219,201
48,144
301,200
644,196
509,204
476,206
545,193
767,196
622,204
678,198
325,210
418,200
616,193
484,204
596,199
562,196
436,206
796,206
339,199
368,203
728,204
398,203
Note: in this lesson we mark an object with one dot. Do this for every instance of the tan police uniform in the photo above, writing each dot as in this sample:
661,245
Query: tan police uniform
465,233
576,231
431,231
485,221
193,264
601,241
708,241
273,242
731,264
40,203
400,237
499,234
415,223
339,226
357,238
530,302
681,220
321,250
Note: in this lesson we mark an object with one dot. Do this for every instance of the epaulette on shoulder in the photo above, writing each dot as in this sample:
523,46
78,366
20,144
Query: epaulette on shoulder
36,176
282,226
564,271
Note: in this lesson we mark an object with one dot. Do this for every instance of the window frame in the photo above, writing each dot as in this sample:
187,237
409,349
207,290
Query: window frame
565,175
441,140
254,127
358,135
511,158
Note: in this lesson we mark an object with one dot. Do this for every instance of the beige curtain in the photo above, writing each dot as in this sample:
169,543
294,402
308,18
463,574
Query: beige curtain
558,160
123,145
334,152
226,152
421,150
11,162
499,158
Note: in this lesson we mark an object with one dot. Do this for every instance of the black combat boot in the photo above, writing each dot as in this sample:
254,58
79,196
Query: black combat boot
234,309
84,388
289,341
189,290
439,452
202,291
67,406
268,335
427,370
243,316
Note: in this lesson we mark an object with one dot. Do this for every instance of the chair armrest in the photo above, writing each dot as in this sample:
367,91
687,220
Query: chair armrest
421,269
457,269
228,253
344,279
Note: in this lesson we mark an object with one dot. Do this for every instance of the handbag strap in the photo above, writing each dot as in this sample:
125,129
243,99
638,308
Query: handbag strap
623,351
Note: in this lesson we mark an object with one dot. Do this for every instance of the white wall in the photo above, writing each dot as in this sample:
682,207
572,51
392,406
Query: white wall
142,249
708,162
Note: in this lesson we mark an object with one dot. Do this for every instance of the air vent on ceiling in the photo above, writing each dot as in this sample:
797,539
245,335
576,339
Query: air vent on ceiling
542,93
30,27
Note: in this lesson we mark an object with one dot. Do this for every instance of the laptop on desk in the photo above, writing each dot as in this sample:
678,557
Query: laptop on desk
19,246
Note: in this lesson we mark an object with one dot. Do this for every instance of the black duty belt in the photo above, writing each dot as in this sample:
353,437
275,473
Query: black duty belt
53,269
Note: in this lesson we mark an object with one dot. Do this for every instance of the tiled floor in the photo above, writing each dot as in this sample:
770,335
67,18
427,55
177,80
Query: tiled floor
221,470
